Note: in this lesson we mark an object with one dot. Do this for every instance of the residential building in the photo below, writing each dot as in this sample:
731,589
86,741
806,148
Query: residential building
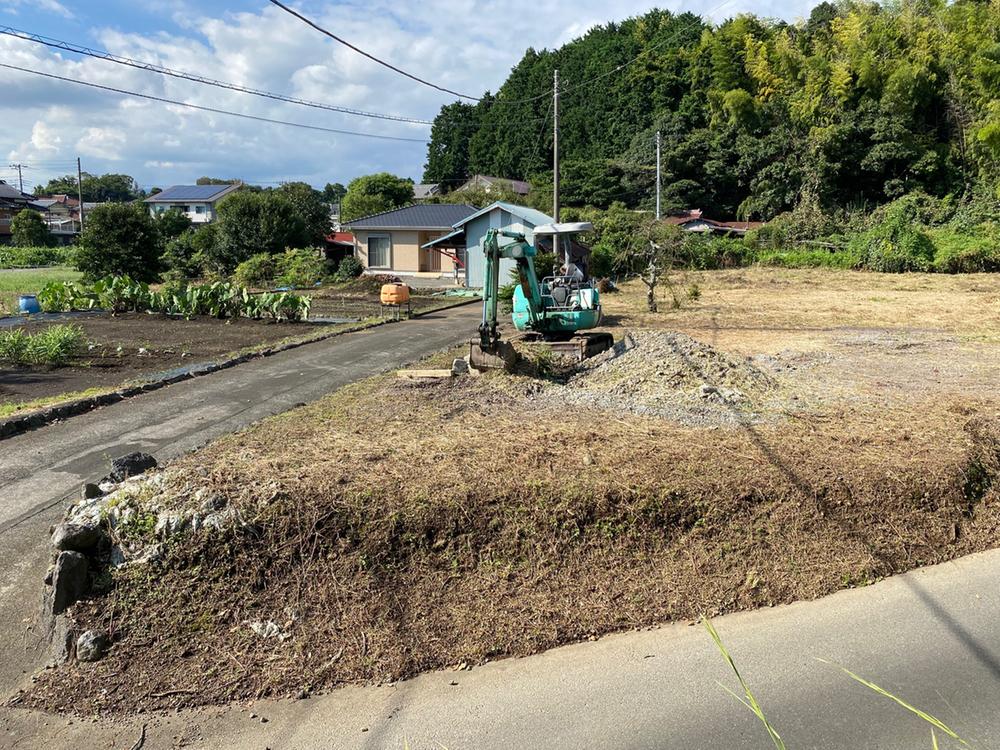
197,202
12,201
426,190
694,221
488,184
62,214
464,243
394,241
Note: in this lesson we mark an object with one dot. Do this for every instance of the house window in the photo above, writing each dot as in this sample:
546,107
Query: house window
199,209
379,251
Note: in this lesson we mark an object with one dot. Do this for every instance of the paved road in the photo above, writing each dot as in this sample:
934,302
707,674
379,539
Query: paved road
39,469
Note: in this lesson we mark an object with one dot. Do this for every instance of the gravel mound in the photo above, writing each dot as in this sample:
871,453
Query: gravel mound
671,375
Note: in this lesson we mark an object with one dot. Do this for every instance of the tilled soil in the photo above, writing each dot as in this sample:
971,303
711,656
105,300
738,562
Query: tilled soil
135,345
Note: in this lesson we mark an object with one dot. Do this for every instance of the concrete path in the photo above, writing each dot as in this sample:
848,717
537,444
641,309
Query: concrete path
40,469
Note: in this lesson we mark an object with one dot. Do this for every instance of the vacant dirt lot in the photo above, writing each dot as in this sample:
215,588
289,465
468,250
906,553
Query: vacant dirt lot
781,436
130,346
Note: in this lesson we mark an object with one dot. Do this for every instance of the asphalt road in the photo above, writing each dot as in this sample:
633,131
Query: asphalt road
40,470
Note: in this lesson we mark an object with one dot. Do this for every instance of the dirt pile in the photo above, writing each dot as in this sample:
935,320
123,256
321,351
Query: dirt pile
659,373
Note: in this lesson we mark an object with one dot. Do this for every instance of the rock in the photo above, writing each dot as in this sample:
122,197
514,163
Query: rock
70,581
459,367
62,639
707,390
130,465
92,645
48,575
90,491
76,537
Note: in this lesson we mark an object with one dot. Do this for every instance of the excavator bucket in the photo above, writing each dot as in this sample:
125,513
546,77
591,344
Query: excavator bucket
502,356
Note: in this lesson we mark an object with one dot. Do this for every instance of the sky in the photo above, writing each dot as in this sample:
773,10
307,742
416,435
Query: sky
465,45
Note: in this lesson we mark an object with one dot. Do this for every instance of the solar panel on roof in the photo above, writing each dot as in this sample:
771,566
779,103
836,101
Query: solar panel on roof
190,192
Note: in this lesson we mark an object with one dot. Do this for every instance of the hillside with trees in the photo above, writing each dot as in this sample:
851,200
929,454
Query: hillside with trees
855,107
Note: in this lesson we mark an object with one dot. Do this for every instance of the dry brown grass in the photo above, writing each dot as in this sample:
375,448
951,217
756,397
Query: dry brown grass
393,528
767,309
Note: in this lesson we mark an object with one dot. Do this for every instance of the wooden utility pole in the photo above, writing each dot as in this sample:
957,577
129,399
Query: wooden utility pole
555,147
79,189
657,175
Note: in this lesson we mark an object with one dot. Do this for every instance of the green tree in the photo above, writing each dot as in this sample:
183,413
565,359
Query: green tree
115,188
28,229
374,193
334,192
250,223
448,150
315,212
118,239
172,224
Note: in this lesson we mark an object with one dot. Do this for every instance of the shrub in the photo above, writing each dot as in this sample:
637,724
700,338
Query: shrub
181,258
300,268
256,271
350,268
895,247
120,239
28,229
36,256
844,259
973,251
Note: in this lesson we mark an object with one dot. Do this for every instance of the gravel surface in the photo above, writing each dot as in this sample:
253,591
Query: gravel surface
671,375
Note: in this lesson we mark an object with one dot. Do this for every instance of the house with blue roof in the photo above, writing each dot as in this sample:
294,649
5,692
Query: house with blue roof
197,202
465,240
396,242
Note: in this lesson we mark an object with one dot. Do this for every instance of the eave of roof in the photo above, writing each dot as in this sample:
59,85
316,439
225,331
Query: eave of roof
536,217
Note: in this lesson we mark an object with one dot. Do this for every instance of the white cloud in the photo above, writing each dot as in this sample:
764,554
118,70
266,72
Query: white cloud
466,45
52,6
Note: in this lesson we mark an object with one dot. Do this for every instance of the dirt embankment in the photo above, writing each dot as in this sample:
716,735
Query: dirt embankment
393,528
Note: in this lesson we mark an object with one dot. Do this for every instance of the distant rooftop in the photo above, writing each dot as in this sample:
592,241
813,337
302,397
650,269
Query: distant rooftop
197,193
424,216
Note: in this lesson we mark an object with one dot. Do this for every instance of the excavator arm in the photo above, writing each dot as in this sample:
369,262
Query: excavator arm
523,255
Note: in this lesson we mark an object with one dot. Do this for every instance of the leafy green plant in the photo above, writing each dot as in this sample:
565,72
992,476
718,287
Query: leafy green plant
349,268
256,271
14,346
300,268
53,346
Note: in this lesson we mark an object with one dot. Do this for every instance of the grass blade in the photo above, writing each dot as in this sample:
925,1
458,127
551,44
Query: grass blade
933,721
750,702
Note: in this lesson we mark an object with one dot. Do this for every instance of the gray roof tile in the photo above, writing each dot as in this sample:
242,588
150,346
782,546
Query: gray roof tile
421,216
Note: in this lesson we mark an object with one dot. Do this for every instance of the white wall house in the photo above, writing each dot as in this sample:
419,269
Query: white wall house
197,202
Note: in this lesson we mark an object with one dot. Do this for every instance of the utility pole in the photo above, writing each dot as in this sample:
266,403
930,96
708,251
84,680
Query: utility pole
555,147
657,175
79,189
20,177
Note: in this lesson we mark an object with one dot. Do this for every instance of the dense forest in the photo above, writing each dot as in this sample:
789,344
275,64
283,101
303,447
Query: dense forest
854,107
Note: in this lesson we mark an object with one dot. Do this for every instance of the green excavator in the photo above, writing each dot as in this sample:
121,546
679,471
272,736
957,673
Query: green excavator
552,311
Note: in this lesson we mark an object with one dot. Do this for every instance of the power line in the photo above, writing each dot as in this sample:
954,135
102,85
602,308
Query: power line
155,68
360,51
211,109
